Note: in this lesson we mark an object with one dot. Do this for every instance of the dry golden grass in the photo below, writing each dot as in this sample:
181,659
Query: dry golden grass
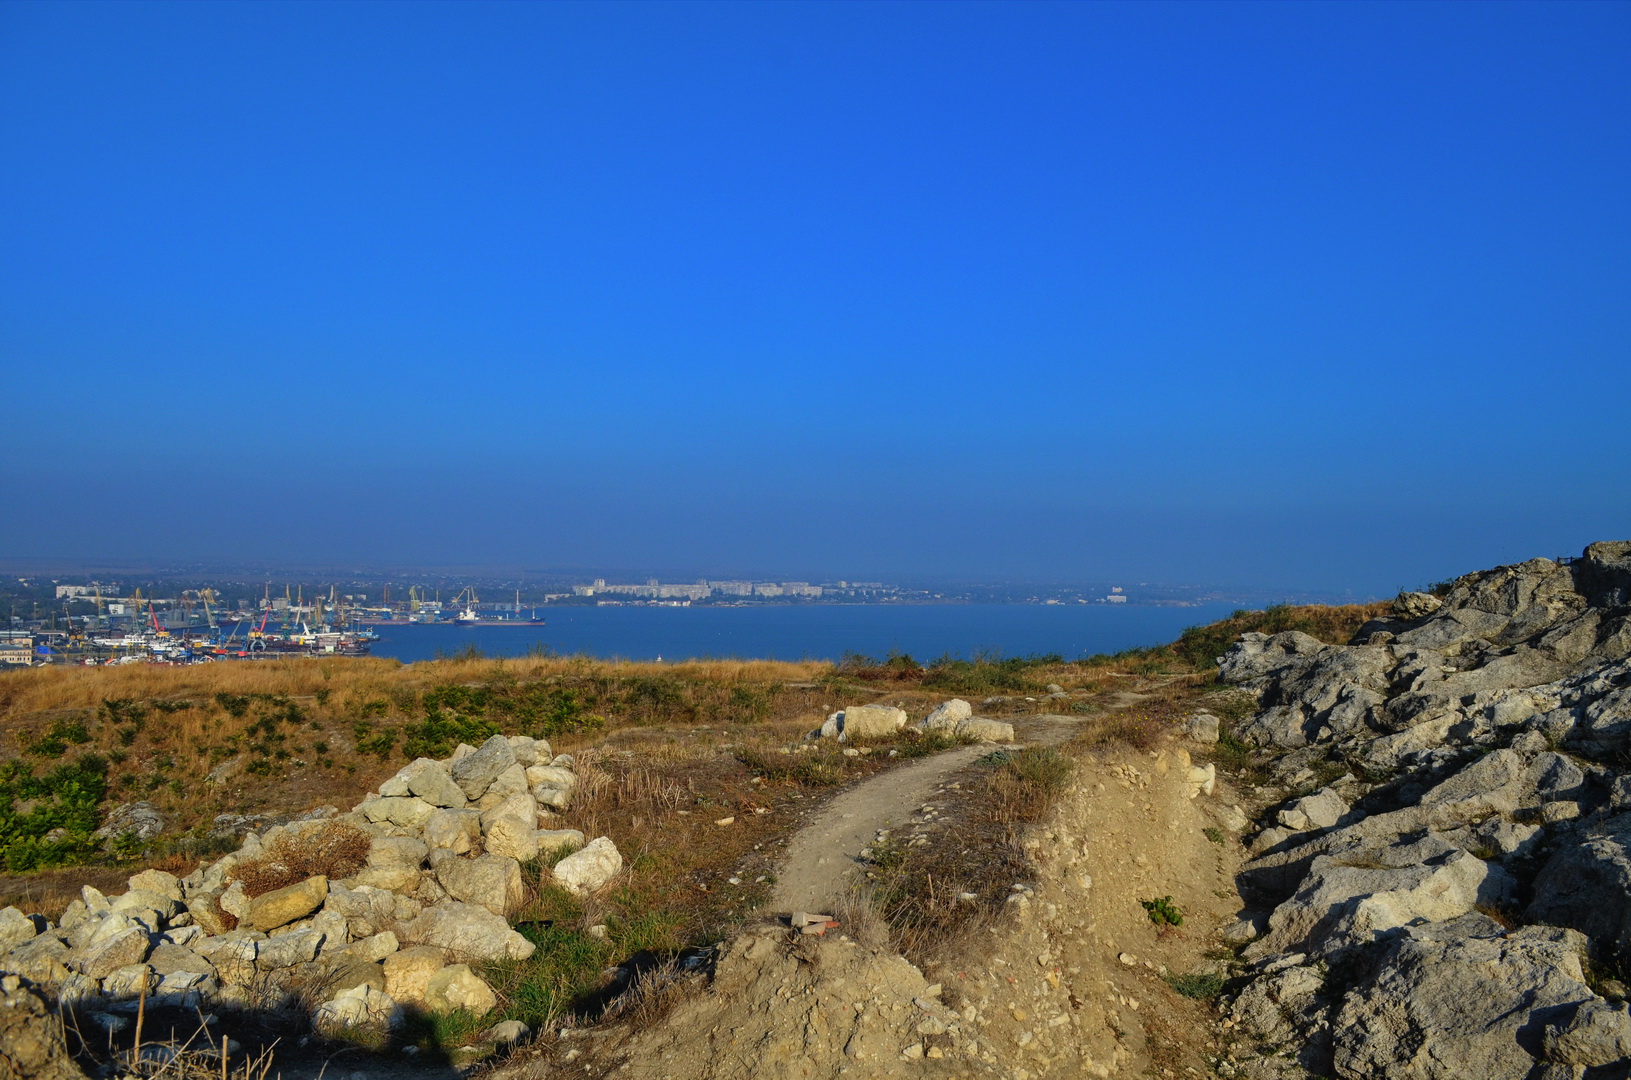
331,849
40,689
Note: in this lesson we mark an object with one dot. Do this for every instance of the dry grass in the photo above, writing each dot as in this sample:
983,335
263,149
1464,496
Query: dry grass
331,849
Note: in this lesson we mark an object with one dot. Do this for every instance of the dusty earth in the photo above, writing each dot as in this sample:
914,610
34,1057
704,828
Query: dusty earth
1070,980
824,857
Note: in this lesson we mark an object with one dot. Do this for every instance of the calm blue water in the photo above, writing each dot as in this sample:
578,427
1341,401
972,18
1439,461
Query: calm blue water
825,631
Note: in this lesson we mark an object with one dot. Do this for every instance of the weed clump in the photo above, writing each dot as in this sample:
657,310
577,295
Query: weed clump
814,769
1162,911
332,849
1026,782
1202,986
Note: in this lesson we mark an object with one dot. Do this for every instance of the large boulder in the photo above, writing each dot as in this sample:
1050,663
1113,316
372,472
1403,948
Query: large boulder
588,870
466,931
1587,886
456,988
1594,1033
1457,1000
283,906
947,715
511,828
1341,904
872,722
475,773
492,881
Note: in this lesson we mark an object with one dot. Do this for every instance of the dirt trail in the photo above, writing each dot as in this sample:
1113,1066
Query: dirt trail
824,857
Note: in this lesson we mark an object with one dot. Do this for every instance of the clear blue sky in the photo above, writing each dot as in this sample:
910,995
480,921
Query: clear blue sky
1300,295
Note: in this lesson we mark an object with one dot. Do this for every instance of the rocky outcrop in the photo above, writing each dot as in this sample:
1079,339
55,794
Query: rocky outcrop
1460,757
423,875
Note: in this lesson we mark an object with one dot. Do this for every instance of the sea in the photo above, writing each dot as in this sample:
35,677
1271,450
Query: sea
810,631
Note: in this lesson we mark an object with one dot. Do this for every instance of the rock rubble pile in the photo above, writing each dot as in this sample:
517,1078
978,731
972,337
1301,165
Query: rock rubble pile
431,868
1443,885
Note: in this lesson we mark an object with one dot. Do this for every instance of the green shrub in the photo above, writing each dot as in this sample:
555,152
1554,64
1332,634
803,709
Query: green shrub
66,798
1162,911
439,734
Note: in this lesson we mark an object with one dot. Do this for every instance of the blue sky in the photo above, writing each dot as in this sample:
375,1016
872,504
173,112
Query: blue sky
1300,296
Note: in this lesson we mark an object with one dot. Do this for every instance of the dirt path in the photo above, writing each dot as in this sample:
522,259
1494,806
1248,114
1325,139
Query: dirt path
825,854
824,857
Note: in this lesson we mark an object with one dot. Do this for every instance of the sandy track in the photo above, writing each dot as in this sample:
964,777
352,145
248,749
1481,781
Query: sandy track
824,857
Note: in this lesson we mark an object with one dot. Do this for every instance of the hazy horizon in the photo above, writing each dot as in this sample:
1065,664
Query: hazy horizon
1277,297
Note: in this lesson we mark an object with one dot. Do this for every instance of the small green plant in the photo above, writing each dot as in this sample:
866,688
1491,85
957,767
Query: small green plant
1162,911
1202,986
369,741
1213,834
885,854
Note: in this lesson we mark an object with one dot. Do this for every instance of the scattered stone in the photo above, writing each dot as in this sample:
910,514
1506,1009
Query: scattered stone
358,1007
17,928
456,987
980,729
1202,728
466,931
31,1036
492,881
455,830
140,820
158,881
408,812
505,1033
1416,605
871,722
430,781
408,972
586,871
555,839
283,906
947,716
511,827
99,959
475,772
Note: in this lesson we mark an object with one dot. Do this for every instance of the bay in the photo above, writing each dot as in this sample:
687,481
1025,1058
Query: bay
810,631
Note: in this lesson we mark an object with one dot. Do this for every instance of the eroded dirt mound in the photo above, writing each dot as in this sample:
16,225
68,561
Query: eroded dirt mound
1069,981
785,1010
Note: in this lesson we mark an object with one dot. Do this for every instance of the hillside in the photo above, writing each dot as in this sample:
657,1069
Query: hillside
1074,902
